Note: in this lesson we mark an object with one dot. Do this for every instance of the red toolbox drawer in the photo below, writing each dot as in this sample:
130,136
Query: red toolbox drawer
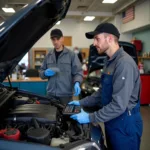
145,89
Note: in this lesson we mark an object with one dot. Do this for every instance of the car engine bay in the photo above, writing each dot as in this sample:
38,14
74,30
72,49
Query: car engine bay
89,86
31,118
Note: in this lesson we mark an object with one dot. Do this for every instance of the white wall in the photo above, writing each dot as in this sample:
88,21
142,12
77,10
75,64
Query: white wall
112,20
77,29
74,28
117,22
142,17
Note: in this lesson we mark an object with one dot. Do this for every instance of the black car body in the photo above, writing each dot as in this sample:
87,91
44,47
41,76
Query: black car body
29,121
96,62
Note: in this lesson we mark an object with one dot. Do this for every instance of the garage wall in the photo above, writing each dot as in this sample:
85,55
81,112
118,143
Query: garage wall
117,22
112,21
142,17
74,28
144,37
142,20
77,29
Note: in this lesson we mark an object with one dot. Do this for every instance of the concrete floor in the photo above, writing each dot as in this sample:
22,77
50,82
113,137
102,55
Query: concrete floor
145,143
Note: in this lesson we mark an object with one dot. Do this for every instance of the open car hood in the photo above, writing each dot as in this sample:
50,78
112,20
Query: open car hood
20,32
96,61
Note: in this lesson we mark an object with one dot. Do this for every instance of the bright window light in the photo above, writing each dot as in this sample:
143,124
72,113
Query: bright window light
109,1
8,10
58,22
89,18
24,60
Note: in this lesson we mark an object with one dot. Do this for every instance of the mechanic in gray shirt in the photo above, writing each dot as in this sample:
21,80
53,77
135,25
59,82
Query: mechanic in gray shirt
63,70
118,93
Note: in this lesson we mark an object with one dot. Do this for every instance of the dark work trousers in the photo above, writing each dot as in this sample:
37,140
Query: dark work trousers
125,131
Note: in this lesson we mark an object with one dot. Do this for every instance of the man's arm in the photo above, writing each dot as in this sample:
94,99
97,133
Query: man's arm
123,84
43,68
76,69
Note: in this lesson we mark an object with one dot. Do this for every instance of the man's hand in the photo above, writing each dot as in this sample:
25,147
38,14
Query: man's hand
82,117
49,73
74,103
77,89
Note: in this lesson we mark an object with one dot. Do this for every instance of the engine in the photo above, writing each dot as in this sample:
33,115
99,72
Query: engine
31,119
43,113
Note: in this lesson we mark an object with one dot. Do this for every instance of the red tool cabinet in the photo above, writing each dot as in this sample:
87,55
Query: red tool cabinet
145,89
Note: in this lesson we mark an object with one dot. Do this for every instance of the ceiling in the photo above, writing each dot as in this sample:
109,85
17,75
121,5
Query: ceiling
78,8
94,5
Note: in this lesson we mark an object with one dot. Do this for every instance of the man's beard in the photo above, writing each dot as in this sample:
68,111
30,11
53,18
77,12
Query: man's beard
102,51
104,48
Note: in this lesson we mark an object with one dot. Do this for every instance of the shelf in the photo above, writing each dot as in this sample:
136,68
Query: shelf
38,56
38,65
143,57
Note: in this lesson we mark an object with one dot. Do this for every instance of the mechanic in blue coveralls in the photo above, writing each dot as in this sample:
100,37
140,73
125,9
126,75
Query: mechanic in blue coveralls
118,93
63,70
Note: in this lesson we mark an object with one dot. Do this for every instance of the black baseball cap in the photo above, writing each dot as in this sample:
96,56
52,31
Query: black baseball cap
56,33
103,28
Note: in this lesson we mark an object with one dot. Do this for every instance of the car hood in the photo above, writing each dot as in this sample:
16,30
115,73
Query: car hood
96,61
20,32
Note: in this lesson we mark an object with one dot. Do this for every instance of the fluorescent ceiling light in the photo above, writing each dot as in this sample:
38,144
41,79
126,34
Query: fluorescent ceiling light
25,5
2,29
109,1
1,23
89,18
8,10
58,22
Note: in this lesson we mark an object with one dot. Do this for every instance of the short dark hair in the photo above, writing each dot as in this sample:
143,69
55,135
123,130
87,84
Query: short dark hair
116,39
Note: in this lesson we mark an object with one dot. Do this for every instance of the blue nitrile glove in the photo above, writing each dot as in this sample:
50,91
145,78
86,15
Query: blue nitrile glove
82,117
74,103
49,72
77,89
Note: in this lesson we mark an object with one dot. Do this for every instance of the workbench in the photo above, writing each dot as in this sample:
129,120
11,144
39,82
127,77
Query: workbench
32,84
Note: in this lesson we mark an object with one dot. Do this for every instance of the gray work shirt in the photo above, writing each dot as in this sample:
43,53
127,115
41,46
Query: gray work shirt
61,84
126,87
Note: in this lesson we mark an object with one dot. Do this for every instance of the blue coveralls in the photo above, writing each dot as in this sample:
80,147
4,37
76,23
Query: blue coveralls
118,96
125,131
